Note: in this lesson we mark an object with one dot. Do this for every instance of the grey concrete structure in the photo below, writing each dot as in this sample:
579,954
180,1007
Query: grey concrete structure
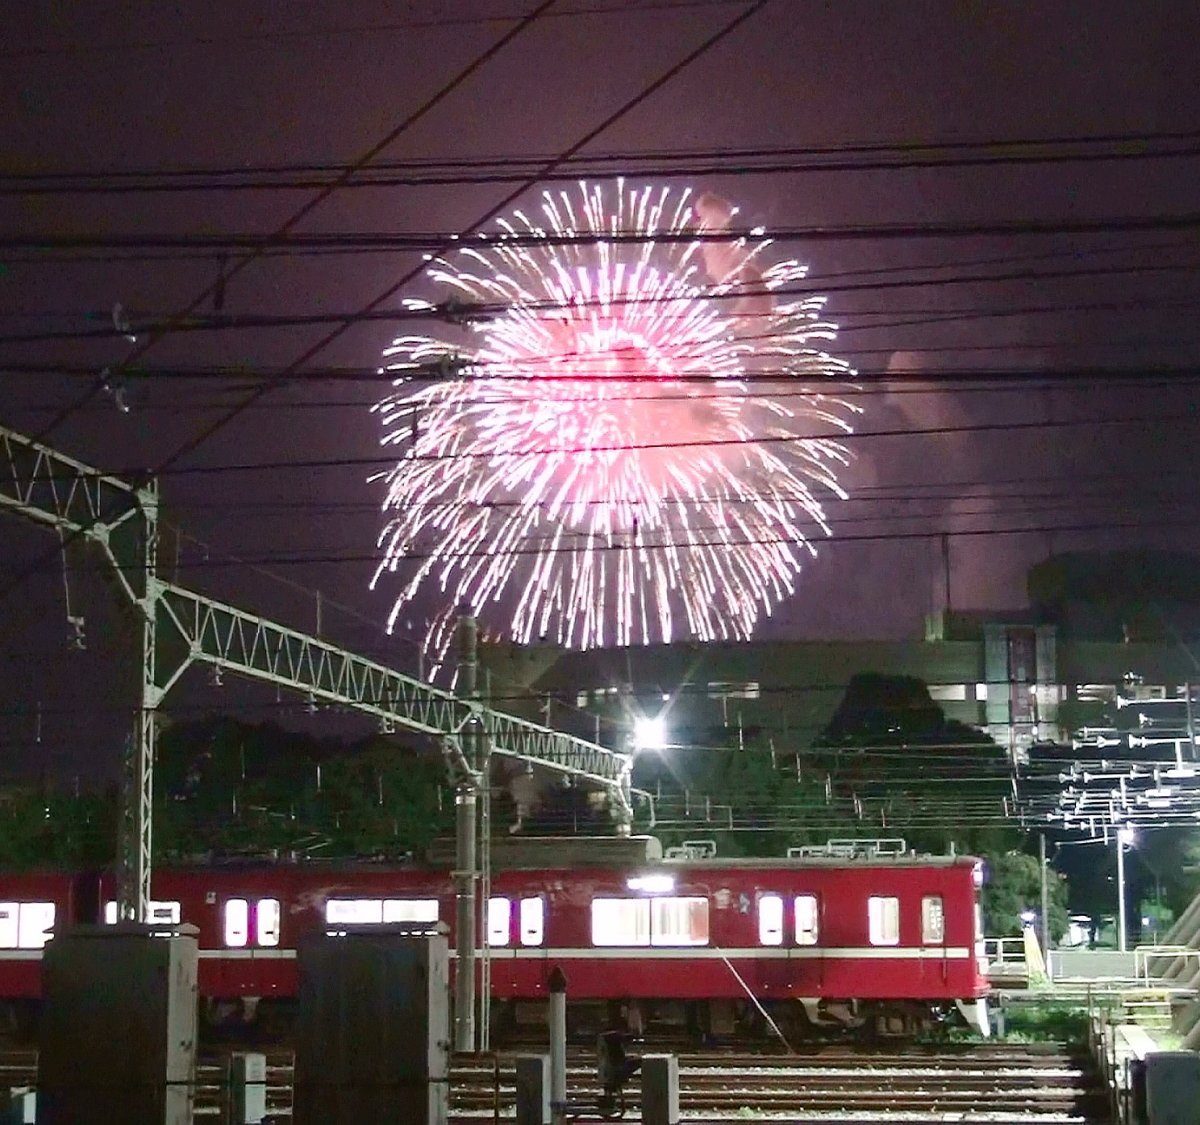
533,1090
118,1033
660,1090
373,1028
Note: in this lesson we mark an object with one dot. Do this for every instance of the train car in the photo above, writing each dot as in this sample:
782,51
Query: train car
31,906
832,939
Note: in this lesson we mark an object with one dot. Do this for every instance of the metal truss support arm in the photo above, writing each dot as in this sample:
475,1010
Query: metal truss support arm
192,627
179,627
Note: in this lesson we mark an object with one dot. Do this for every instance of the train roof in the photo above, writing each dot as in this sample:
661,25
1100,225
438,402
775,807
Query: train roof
574,852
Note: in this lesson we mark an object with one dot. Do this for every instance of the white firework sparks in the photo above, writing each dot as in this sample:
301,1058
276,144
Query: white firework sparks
635,446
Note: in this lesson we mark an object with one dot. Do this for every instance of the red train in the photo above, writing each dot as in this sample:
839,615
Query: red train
883,941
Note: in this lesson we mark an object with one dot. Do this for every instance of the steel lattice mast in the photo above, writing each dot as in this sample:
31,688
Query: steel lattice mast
179,628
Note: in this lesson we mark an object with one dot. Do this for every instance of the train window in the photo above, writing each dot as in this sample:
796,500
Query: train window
533,921
620,921
169,912
266,921
770,920
806,919
933,920
354,911
883,915
679,921
8,924
25,925
366,911
237,922
410,909
499,921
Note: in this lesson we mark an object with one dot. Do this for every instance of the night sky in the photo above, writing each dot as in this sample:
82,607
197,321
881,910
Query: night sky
88,87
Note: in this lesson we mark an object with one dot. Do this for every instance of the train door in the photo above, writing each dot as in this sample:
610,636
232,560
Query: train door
516,933
530,951
808,916
772,975
935,969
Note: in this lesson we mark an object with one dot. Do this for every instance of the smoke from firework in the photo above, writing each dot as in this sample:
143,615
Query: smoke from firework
633,445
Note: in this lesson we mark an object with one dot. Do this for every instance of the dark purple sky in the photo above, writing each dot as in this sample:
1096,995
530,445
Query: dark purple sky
86,86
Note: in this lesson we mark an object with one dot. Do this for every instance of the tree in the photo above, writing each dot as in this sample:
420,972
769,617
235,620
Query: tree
228,787
1013,887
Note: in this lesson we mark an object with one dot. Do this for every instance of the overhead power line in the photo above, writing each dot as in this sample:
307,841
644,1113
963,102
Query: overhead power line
335,333
293,221
618,543
623,8
631,164
816,382
440,242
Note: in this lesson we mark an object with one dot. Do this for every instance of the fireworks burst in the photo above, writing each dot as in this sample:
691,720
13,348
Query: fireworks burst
632,447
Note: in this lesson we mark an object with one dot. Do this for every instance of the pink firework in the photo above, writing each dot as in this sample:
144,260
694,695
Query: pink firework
633,447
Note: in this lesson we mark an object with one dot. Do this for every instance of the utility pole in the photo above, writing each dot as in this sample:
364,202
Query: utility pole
1045,899
1191,723
133,882
1122,940
466,914
946,570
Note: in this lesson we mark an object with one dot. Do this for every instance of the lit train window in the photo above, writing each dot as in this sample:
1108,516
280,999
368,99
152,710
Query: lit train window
806,919
169,912
410,909
8,924
620,921
266,921
933,920
354,911
770,920
499,921
365,911
237,922
679,921
533,921
25,925
883,918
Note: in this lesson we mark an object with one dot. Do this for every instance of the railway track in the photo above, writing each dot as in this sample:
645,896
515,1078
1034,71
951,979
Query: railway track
984,1083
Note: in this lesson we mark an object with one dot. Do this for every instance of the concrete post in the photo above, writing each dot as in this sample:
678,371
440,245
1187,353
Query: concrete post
533,1090
660,1090
246,1089
558,1035
465,920
466,872
1045,899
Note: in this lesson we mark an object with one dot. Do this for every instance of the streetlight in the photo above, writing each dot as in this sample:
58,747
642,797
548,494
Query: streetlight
1125,838
650,733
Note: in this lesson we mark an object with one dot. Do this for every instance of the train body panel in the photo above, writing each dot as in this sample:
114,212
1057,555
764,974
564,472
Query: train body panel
902,929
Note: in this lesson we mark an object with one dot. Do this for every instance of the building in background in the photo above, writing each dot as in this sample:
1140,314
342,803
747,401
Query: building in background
1102,632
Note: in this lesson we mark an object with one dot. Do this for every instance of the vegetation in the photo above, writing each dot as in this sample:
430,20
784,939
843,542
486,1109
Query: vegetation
226,787
1042,1023
1014,885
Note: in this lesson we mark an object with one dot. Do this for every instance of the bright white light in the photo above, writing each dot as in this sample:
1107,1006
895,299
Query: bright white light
656,884
649,733
1127,834
1028,917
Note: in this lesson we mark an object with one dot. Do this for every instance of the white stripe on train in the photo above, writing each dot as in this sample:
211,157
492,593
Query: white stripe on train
622,953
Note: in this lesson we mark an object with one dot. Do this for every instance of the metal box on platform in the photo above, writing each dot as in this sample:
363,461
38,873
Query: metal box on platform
373,1028
118,1035
1172,1087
